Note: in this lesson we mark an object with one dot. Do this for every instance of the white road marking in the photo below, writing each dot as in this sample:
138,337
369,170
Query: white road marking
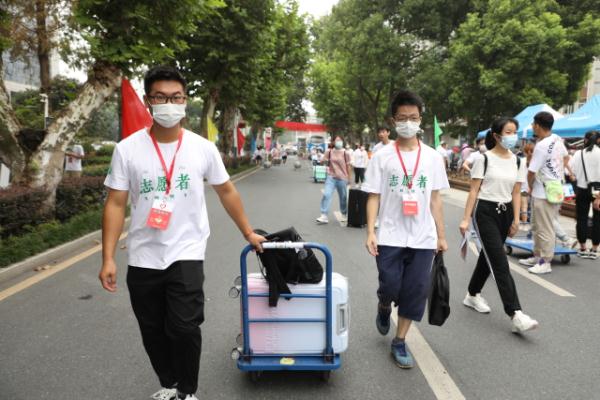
532,277
440,382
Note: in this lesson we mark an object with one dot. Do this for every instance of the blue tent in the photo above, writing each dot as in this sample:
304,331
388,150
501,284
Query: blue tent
585,119
525,119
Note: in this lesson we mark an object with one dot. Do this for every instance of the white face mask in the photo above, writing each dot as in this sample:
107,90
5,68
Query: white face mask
168,115
408,129
482,148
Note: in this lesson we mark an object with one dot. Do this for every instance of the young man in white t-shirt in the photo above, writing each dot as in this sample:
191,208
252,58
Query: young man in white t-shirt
383,134
547,163
403,180
73,167
163,169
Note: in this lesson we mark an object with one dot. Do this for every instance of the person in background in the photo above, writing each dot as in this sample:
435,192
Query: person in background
257,155
73,165
443,150
547,164
584,195
383,134
494,196
404,180
338,178
284,155
465,152
360,159
475,155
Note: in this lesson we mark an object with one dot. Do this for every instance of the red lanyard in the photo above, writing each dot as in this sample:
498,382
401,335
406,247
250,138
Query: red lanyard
168,172
409,181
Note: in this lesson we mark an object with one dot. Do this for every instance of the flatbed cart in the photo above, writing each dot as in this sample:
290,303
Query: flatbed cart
527,245
255,364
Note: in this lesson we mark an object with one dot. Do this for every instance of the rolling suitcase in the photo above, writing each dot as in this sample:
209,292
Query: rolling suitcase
290,338
357,208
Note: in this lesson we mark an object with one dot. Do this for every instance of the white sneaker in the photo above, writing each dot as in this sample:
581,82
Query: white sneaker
570,243
477,303
541,268
323,219
531,261
165,394
523,322
344,218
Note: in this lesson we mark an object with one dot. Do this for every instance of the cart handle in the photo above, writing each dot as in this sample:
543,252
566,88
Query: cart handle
284,245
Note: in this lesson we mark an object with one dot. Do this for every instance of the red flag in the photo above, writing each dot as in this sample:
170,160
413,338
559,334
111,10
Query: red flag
134,116
240,140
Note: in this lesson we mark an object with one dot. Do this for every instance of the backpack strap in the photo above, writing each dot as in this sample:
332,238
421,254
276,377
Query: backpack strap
584,170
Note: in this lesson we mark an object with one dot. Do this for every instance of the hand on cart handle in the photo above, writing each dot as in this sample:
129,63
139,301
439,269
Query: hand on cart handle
255,240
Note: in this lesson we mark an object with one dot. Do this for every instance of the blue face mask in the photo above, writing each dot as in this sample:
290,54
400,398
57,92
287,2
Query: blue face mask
509,142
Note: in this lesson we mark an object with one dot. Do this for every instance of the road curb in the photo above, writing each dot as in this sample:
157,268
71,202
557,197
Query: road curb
64,249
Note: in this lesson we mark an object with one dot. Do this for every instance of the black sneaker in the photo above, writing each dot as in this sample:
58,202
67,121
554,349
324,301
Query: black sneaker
383,319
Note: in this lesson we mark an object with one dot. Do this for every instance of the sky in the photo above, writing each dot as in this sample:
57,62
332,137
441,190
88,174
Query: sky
317,8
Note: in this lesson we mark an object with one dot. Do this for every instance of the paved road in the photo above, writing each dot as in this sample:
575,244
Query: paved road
65,338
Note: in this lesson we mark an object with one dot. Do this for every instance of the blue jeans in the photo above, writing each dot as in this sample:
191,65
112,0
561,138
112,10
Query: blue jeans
332,184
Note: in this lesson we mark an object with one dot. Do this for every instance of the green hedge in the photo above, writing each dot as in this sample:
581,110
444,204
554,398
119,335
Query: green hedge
76,195
96,170
95,160
48,235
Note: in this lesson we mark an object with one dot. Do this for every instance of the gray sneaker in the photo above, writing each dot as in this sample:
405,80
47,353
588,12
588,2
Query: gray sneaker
592,255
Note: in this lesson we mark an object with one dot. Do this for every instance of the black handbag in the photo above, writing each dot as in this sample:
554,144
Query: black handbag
439,296
283,266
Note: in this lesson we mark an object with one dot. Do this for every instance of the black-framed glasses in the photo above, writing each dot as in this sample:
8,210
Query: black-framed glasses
404,118
162,99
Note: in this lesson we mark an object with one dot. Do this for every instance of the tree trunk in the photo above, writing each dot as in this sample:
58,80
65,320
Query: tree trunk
46,164
227,128
43,45
208,110
11,153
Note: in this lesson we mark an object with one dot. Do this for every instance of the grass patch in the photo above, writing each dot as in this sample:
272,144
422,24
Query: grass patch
240,168
48,235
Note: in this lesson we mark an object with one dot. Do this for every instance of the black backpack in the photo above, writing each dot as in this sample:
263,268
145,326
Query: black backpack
283,266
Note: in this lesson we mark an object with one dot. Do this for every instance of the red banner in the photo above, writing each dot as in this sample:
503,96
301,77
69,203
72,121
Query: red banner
134,116
301,126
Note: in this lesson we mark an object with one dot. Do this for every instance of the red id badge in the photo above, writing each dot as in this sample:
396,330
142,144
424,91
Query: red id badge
410,206
160,213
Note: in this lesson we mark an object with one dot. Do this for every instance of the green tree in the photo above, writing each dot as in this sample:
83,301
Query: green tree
512,54
370,60
119,37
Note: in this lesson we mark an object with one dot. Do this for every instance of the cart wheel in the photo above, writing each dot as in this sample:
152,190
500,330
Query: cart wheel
509,250
255,376
565,258
325,375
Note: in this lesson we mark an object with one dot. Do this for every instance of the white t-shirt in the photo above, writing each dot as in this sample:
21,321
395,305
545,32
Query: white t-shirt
379,146
135,167
385,176
500,177
547,161
592,166
360,158
474,156
72,163
442,151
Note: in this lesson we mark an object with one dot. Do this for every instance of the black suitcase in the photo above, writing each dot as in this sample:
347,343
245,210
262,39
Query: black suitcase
357,208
